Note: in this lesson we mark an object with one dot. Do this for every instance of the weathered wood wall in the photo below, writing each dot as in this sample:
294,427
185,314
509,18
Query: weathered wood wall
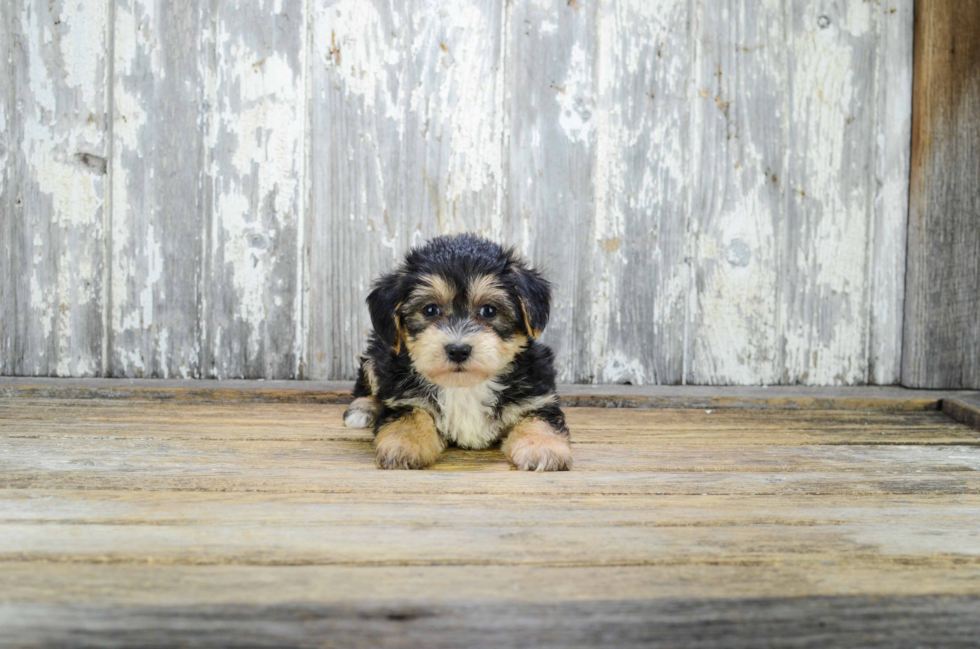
942,332
719,189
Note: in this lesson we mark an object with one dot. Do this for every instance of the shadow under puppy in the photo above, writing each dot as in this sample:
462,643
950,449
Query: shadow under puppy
453,359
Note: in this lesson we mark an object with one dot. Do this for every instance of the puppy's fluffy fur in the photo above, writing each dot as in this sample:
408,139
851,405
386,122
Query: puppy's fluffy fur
454,359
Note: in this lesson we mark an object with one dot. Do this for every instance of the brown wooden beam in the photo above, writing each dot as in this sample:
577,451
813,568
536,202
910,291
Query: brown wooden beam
942,300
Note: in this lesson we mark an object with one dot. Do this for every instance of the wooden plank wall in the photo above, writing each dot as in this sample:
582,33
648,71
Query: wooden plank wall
942,310
206,189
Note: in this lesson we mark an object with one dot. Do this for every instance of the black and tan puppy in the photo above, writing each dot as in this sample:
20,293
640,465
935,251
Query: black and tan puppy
454,359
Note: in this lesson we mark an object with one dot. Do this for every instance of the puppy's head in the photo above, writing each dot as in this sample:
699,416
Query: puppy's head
462,307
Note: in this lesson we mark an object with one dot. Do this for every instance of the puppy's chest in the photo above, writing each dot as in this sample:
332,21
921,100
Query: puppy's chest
466,415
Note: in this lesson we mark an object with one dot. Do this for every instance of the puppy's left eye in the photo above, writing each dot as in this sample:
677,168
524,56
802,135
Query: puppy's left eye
431,311
488,312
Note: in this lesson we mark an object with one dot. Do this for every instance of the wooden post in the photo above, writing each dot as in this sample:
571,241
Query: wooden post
942,300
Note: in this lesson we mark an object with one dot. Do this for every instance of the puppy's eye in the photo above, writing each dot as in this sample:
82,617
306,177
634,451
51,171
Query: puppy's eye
488,312
431,311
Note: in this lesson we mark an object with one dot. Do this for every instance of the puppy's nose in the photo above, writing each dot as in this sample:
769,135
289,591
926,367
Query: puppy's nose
458,353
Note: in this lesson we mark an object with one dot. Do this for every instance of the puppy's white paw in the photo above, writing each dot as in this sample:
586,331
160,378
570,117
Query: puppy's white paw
361,413
533,445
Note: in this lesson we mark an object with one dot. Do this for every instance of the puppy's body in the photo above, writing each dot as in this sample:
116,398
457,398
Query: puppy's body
454,359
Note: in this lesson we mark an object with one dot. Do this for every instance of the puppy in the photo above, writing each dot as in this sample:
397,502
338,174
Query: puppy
454,359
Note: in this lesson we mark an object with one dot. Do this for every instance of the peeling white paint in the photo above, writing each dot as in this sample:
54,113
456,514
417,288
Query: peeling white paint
574,96
835,198
81,45
60,117
418,98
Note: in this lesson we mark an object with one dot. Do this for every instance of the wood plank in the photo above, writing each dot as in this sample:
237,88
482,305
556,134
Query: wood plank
492,482
106,507
641,280
611,396
419,544
187,516
32,419
53,197
160,207
740,153
550,144
256,148
407,144
782,243
942,331
613,454
964,408
305,529
850,621
132,585
889,230
272,459
7,198
829,190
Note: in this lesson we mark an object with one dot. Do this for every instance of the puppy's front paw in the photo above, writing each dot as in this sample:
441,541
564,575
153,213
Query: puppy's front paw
361,413
409,442
534,445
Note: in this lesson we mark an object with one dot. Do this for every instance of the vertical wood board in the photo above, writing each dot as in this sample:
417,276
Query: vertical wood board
54,149
942,306
256,165
406,145
159,201
641,278
824,305
890,219
740,134
549,138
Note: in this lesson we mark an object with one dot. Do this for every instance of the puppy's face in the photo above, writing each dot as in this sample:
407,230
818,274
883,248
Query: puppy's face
459,336
462,307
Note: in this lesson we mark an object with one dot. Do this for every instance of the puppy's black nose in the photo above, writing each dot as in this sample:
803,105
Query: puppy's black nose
458,353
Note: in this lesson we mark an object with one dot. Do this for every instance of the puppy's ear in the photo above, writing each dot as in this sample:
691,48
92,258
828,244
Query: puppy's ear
534,296
383,304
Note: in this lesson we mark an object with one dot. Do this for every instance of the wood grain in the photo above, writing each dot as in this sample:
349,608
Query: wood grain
549,138
52,198
160,207
740,145
256,151
407,129
851,621
884,399
717,190
824,305
779,94
7,199
641,277
889,229
942,331
247,447
964,408
179,521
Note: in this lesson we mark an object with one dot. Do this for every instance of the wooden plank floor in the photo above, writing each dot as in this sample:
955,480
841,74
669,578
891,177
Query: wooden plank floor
266,524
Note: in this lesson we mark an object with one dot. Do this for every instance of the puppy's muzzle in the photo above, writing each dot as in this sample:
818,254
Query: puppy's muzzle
458,353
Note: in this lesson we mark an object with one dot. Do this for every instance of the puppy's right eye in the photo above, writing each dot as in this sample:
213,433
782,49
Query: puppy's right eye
431,311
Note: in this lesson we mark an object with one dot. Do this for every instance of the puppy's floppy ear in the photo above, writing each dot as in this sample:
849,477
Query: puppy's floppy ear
383,304
534,296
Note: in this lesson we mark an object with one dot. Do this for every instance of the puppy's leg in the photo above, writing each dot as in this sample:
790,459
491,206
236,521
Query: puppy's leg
539,443
363,412
408,440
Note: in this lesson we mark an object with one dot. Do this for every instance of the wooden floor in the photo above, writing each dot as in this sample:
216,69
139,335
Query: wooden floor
129,521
